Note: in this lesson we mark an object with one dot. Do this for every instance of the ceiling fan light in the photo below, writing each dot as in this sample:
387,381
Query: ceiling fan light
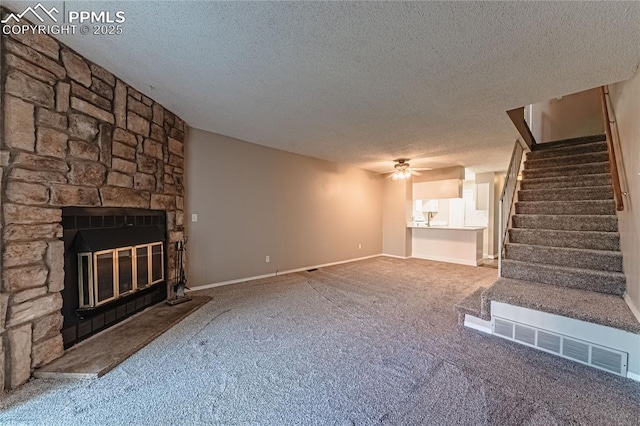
402,170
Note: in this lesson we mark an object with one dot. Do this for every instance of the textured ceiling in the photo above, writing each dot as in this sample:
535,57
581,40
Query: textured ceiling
364,83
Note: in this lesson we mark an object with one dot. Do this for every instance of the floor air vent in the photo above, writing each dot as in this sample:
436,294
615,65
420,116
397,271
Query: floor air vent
503,328
525,335
549,342
577,350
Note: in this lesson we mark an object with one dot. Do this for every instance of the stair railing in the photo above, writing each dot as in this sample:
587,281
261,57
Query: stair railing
615,175
517,117
508,197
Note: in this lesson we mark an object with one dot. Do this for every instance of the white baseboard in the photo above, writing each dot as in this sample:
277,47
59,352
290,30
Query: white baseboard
633,376
449,260
634,309
229,282
491,256
273,274
396,256
478,324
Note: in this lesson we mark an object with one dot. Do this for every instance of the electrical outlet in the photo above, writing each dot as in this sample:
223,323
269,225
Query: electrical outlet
267,259
194,217
359,246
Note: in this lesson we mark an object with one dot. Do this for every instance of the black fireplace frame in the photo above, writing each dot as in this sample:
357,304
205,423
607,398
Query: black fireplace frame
79,324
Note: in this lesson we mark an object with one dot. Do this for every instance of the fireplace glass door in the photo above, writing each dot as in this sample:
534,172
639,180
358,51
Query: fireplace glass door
125,270
157,261
142,266
109,274
85,279
104,275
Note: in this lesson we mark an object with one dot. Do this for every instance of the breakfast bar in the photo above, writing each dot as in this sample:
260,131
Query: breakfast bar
462,245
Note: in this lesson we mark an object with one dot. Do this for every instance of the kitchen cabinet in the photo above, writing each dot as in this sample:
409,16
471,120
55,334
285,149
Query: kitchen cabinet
449,188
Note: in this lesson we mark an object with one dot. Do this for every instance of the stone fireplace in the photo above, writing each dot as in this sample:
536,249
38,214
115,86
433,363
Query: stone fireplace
82,154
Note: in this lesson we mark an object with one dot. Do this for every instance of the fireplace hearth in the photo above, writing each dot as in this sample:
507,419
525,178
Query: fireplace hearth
115,266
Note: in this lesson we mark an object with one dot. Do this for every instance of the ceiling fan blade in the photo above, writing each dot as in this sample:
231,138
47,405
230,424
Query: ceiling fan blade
413,172
388,177
421,168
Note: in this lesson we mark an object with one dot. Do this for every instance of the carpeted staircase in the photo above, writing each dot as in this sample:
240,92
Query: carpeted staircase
562,255
557,237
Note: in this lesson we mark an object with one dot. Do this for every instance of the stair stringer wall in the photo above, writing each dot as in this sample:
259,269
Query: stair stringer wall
625,102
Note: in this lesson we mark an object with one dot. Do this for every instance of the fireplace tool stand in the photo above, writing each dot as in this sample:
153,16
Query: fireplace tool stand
180,284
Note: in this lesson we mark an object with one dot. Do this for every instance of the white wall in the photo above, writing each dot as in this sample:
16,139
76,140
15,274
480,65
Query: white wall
625,97
253,201
572,116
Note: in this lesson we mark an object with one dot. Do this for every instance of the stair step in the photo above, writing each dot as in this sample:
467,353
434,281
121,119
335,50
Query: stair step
573,170
603,260
471,305
594,207
570,142
572,239
598,308
567,160
566,181
584,279
603,223
567,194
568,150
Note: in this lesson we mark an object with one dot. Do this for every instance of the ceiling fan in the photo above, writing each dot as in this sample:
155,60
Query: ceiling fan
403,170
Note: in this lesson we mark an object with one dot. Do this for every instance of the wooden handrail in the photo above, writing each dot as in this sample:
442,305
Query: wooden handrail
517,118
615,176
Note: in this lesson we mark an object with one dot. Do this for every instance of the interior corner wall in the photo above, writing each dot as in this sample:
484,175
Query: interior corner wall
496,180
253,201
396,202
625,97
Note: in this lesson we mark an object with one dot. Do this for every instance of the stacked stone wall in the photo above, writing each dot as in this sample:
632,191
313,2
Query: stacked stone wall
73,134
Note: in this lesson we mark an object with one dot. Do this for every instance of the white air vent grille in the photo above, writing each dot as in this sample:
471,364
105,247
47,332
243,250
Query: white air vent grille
577,350
503,328
607,360
525,335
549,342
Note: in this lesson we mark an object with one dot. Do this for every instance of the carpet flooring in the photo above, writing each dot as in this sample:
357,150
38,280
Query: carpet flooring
365,343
